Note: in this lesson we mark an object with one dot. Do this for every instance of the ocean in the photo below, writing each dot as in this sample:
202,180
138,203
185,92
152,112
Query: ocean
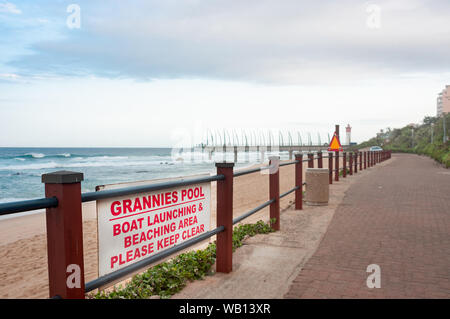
21,168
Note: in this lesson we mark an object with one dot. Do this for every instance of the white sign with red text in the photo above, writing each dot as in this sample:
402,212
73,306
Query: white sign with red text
134,227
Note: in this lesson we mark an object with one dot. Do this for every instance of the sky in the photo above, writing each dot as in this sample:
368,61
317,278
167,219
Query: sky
149,73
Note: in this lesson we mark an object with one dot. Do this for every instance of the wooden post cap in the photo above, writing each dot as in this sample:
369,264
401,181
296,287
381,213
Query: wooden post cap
225,164
62,177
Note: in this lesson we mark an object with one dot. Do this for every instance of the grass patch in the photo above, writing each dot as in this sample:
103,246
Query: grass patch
170,277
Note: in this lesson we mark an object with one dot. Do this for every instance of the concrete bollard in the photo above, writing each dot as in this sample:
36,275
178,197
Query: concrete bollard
317,186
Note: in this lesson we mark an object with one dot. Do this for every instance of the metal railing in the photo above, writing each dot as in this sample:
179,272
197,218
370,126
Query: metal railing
57,210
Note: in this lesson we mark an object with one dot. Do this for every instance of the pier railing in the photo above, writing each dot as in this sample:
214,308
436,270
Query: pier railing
64,216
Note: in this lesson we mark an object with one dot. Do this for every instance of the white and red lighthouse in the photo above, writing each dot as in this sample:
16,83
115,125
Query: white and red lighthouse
348,131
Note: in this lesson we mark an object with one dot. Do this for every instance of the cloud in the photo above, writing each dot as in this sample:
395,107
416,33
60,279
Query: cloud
9,75
258,41
9,7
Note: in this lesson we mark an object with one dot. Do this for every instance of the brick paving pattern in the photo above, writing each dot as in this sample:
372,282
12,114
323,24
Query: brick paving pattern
398,217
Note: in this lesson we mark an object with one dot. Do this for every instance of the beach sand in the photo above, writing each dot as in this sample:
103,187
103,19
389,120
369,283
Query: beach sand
23,249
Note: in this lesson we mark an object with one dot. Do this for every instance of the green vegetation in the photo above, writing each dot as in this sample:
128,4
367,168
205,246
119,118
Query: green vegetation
424,139
341,171
170,277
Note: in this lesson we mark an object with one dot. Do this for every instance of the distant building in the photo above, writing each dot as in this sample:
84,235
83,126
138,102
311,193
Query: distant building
443,101
348,137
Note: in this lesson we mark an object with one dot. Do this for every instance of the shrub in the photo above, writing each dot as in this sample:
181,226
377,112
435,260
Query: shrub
170,277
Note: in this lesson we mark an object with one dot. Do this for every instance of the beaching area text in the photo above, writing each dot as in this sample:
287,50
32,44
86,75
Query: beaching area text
132,228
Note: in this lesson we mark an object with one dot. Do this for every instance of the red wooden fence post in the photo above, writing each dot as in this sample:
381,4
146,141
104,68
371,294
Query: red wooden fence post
274,191
299,181
336,172
355,155
344,166
360,161
330,166
65,235
319,160
310,160
224,245
365,160
350,162
368,158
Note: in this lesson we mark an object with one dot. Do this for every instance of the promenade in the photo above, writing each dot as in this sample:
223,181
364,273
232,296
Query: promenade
395,215
398,218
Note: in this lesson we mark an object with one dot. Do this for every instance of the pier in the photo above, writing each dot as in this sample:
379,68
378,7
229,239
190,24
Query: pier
263,142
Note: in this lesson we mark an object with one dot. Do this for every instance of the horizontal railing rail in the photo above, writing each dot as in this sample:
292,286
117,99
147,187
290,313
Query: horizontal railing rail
290,191
27,205
288,163
250,171
92,196
252,211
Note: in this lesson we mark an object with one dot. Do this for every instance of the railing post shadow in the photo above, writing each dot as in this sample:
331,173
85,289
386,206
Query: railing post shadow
65,235
224,217
274,191
299,181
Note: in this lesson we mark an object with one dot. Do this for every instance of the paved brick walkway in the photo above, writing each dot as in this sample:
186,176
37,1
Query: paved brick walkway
398,217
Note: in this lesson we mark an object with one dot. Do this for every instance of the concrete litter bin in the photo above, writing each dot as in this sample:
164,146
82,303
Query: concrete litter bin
317,186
